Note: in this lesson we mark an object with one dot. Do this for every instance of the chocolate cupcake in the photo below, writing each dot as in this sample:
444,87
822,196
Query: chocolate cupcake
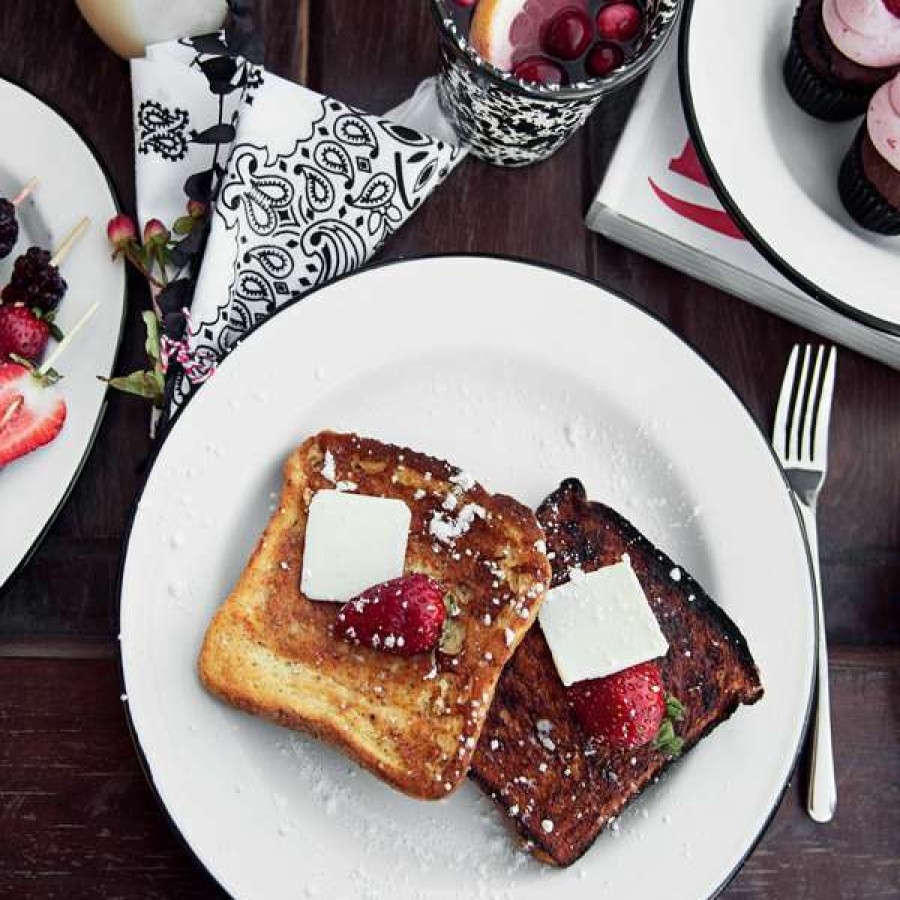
841,52
869,180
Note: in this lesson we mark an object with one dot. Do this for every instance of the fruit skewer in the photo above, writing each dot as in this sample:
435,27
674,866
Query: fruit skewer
9,223
32,297
35,280
32,408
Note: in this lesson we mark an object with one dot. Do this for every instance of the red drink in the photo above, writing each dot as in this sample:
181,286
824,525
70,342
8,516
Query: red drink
555,42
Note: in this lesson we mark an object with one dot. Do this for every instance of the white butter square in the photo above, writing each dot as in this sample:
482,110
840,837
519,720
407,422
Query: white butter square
600,623
352,543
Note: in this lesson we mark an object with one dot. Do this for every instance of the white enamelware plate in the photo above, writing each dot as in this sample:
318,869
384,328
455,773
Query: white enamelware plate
38,142
774,167
523,376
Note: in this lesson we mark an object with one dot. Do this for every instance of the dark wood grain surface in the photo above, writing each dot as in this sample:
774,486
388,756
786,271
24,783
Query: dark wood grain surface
76,817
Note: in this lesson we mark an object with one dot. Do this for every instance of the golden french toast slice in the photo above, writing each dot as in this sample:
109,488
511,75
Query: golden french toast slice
413,721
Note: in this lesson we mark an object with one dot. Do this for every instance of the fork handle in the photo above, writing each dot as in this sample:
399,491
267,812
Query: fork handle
822,796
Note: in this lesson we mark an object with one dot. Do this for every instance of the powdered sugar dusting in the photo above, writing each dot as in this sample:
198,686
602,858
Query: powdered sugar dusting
329,469
463,480
375,823
448,530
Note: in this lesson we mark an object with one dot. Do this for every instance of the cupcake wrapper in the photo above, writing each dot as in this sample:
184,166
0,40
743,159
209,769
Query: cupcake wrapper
860,197
812,93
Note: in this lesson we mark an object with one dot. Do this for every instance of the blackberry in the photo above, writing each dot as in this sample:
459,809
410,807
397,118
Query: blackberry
9,228
35,282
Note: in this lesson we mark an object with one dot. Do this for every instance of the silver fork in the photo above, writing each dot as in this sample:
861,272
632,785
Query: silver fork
801,443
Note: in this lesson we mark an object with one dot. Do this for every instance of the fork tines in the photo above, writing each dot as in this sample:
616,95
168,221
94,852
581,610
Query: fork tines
804,406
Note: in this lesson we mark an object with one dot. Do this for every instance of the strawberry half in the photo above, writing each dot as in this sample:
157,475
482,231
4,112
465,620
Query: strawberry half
22,333
627,710
32,411
404,616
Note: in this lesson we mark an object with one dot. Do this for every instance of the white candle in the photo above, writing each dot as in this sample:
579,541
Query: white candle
128,26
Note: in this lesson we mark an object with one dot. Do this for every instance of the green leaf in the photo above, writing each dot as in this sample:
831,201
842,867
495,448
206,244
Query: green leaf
674,708
666,741
55,331
51,376
451,605
45,379
184,225
149,385
452,637
151,345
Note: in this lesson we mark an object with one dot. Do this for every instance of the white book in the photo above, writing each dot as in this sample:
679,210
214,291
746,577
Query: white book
655,198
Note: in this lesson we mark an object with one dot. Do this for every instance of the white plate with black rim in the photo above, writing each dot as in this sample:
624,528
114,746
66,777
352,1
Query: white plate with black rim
774,167
39,143
524,376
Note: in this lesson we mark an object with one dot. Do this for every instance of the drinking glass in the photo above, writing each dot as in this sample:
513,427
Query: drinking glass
509,122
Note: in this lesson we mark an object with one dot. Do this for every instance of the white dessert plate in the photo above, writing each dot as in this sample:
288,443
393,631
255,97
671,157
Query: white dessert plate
523,376
774,167
72,184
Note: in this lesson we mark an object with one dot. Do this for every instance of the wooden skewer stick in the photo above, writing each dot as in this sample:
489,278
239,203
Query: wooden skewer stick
11,411
61,346
63,250
23,194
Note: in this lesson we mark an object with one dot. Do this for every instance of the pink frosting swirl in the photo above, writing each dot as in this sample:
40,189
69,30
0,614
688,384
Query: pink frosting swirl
883,121
865,31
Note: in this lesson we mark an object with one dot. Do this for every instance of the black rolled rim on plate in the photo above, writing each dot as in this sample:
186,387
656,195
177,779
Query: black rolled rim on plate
775,259
6,585
559,270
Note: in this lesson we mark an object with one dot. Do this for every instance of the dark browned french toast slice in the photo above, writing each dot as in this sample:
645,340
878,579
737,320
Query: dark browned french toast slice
413,721
533,758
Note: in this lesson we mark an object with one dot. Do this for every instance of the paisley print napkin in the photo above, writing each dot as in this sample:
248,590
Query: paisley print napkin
305,188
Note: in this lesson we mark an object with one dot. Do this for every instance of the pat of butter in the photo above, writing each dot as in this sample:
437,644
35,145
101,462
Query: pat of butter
352,542
600,623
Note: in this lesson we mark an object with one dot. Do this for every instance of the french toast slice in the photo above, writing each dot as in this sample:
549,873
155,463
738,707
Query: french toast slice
412,721
533,757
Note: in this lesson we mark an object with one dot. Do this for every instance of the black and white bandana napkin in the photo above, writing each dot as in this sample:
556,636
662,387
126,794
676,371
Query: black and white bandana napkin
306,187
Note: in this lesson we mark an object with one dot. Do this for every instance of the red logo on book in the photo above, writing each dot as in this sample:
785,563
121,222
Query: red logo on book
688,166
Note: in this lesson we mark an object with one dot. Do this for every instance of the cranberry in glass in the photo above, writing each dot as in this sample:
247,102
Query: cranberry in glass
893,7
619,22
568,34
539,69
603,58
466,2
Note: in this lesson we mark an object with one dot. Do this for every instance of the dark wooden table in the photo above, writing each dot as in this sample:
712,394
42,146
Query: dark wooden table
76,817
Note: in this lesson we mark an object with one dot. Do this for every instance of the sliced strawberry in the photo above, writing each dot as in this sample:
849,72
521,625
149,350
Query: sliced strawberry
622,711
404,616
22,333
32,412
